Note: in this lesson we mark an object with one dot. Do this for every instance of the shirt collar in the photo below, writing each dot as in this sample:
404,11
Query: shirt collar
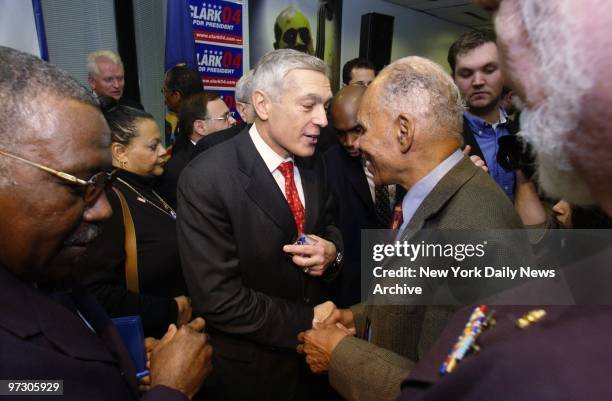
478,125
269,156
419,191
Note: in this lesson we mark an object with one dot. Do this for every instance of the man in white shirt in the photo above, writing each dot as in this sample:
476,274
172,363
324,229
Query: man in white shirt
243,204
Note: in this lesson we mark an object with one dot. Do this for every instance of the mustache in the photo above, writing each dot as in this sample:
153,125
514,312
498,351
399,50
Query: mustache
84,234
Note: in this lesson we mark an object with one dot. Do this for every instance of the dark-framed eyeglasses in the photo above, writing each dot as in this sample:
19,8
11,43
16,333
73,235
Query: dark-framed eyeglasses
93,186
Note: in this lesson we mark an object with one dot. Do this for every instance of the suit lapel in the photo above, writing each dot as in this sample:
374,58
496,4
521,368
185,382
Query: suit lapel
107,332
359,182
35,312
311,192
260,186
437,198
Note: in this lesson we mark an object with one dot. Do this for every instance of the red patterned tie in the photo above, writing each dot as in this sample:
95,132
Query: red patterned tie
291,193
398,217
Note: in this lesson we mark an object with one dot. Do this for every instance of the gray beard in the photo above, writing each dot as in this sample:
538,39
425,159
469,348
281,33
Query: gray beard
547,127
555,174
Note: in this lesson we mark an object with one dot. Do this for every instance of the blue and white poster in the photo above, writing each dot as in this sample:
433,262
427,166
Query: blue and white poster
218,31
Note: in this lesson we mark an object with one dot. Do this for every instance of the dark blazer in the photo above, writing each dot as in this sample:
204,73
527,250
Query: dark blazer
353,211
41,338
233,223
563,357
465,198
217,137
131,103
179,160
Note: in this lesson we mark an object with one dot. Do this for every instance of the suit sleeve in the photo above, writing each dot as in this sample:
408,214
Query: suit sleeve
361,371
163,393
103,272
331,232
212,269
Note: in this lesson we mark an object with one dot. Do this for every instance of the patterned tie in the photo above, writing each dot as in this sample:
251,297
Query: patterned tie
291,193
398,217
381,205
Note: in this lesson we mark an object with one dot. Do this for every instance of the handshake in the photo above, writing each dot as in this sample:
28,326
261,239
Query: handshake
329,326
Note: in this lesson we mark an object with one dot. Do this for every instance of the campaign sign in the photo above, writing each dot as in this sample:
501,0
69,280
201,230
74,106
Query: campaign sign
219,66
217,21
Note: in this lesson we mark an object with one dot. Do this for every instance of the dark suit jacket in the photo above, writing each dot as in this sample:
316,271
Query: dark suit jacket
217,137
353,211
232,225
131,103
42,339
465,198
563,357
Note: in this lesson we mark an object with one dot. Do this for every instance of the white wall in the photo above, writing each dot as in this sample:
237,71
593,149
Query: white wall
414,33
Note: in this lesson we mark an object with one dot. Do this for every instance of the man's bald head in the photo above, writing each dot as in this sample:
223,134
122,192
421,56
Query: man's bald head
411,118
344,110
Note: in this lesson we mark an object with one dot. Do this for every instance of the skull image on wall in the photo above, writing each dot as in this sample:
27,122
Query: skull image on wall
292,31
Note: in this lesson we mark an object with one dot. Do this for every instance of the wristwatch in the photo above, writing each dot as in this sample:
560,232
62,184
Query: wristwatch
338,260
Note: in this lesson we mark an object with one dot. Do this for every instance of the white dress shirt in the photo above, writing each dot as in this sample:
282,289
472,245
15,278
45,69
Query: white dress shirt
273,160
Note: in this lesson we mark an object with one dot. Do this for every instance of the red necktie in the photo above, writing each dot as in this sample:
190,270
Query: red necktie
291,193
398,217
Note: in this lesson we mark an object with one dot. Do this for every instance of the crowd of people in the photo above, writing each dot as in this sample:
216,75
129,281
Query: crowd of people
245,236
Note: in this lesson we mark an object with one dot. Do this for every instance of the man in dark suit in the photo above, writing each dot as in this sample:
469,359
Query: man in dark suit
564,354
415,143
474,62
243,204
66,335
359,204
245,109
201,115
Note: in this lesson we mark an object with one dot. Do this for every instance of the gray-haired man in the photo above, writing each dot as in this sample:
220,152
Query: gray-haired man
243,204
106,76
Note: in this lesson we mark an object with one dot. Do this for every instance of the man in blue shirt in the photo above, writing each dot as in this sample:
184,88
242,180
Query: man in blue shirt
474,62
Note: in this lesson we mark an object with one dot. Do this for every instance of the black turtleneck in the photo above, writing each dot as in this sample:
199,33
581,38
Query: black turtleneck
159,269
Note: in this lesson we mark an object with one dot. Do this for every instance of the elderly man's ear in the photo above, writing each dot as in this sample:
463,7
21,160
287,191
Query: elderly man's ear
405,133
261,103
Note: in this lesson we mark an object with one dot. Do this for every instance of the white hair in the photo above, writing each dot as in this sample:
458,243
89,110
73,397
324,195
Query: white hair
274,66
92,61
566,78
422,87
243,87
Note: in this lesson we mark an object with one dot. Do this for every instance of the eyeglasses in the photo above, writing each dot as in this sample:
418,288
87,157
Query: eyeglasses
93,186
226,116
